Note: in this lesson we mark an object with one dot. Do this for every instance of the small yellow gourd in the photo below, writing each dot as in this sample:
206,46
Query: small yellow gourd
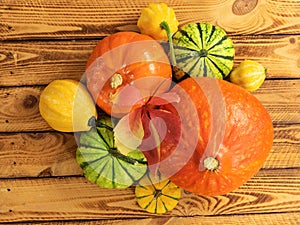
249,75
151,18
156,194
67,106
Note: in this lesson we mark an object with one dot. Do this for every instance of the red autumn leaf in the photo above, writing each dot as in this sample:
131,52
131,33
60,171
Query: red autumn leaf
162,131
152,128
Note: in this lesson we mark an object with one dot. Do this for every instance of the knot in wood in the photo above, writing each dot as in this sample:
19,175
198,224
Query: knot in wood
242,7
29,101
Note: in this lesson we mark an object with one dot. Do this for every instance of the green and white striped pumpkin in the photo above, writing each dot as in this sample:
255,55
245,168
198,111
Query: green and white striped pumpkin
102,163
202,49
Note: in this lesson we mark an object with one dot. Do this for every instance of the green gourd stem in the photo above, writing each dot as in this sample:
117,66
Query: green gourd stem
164,25
115,153
94,123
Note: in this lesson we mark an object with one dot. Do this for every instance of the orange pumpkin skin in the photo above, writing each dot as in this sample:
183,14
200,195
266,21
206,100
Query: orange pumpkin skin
244,147
137,61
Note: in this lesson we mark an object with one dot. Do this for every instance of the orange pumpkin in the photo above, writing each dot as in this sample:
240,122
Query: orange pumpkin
234,136
124,68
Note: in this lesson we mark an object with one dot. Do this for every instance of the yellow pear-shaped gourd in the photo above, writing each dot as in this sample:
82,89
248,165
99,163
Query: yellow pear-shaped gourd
67,106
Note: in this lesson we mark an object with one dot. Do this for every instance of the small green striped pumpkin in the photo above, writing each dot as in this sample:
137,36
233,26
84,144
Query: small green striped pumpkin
202,49
103,164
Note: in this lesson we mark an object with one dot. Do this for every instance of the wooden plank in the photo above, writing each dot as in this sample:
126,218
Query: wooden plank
253,219
282,100
19,106
280,55
286,147
38,63
75,198
53,153
20,111
48,19
38,155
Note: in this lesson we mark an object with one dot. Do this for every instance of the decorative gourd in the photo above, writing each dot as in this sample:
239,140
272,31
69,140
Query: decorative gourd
67,106
157,195
102,163
202,49
249,75
234,136
151,18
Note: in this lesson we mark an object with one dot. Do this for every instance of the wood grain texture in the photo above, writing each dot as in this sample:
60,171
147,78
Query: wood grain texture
282,100
20,112
38,63
48,19
280,55
286,148
49,154
258,219
38,155
74,198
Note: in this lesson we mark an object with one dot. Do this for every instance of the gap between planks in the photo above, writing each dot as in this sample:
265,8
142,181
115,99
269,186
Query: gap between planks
253,219
61,19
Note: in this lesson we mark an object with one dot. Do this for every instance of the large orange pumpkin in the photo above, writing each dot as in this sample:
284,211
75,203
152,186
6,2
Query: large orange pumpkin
124,68
234,136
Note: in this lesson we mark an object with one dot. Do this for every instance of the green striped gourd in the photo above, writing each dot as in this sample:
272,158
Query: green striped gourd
102,163
202,49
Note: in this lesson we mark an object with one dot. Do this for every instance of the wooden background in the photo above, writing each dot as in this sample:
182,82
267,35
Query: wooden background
43,40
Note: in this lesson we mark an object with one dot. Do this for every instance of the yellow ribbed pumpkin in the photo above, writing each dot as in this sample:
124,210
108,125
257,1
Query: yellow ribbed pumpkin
156,194
249,75
67,106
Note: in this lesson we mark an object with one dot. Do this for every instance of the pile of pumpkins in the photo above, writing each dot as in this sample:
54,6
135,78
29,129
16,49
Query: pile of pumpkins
164,110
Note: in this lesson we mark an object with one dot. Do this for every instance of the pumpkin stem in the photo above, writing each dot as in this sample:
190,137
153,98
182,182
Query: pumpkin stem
211,163
203,53
157,193
116,80
94,123
116,153
164,25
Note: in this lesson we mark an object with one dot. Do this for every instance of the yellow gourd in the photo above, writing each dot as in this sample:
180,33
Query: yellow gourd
151,18
157,195
249,75
67,106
